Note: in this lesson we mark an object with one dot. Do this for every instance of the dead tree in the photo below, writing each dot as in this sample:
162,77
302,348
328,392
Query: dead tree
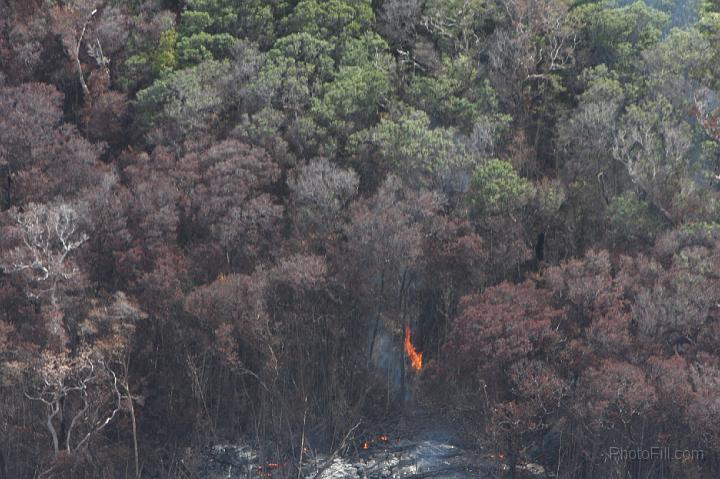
91,385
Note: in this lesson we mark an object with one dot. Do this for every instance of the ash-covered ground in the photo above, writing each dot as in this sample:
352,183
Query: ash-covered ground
383,458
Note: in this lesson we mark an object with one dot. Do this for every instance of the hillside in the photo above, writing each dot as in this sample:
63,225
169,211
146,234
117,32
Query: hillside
297,225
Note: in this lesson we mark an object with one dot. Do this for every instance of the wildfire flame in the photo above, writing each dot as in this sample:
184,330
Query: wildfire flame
414,356
384,438
265,471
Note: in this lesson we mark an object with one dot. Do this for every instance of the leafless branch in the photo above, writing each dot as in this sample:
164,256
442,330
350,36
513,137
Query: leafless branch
81,76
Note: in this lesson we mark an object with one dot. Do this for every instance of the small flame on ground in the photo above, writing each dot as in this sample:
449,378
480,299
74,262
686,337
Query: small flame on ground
380,438
262,472
414,356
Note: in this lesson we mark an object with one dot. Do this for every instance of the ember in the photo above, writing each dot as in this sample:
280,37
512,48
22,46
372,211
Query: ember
414,356
265,471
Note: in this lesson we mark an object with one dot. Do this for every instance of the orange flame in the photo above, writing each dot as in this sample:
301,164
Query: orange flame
365,445
415,357
265,471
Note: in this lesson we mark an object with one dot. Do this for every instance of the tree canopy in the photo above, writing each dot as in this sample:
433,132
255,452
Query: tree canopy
226,219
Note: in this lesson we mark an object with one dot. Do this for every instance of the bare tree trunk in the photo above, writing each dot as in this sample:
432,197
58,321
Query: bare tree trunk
401,306
302,442
81,76
131,405
55,409
135,441
330,459
378,313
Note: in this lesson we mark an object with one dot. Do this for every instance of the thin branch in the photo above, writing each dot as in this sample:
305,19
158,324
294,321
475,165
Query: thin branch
336,451
77,55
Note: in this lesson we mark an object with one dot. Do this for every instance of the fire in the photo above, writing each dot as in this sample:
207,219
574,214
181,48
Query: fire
380,438
415,356
265,471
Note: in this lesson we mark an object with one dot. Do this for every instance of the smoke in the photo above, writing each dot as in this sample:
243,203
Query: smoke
387,356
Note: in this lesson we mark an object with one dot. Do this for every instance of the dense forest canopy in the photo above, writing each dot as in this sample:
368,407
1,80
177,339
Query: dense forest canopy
226,219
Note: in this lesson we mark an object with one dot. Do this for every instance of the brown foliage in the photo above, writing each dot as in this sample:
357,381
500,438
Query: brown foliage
505,324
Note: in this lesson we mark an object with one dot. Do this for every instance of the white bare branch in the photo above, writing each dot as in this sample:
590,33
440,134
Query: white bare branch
48,235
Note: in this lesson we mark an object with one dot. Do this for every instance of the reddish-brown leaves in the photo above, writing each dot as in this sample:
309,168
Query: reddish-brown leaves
504,324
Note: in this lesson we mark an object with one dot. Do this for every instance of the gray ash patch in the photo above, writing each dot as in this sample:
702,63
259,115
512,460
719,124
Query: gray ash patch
398,460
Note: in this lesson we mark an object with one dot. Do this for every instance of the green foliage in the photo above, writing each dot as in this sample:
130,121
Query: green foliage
631,219
588,133
700,230
223,14
135,68
631,129
709,159
240,18
148,59
676,66
497,188
455,24
203,46
193,22
262,129
702,233
457,97
298,173
331,19
368,49
417,153
165,57
548,199
295,69
681,12
184,101
353,100
683,52
601,85
653,144
223,20
615,36
709,26
313,139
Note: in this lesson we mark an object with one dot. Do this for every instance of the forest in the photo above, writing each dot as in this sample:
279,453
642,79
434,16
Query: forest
299,223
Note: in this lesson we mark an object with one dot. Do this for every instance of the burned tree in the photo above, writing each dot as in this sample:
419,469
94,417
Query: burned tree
47,236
